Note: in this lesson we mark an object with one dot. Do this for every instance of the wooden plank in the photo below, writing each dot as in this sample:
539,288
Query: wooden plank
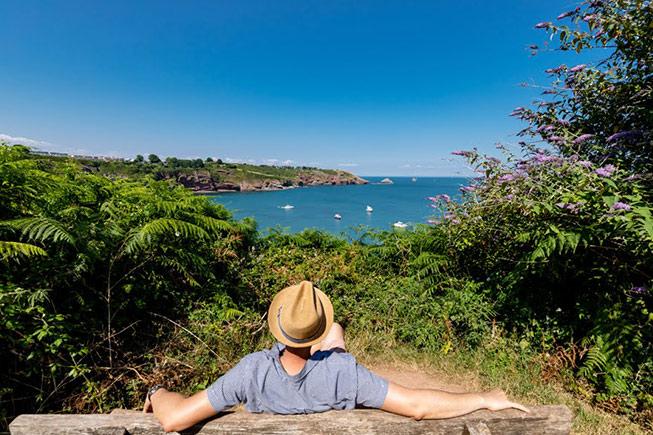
545,420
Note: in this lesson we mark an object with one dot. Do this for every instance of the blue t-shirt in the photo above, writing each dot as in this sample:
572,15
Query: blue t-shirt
329,380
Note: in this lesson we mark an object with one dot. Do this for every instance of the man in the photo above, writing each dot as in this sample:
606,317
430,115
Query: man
310,371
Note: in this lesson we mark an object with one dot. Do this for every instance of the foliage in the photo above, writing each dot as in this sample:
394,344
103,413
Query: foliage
603,111
113,283
120,251
562,229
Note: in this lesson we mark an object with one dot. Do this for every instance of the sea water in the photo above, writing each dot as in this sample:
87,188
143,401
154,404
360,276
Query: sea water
315,206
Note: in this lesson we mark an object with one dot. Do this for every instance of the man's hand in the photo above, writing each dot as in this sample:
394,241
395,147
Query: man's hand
496,400
148,405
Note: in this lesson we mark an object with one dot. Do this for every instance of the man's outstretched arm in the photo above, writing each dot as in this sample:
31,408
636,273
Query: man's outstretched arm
176,412
432,404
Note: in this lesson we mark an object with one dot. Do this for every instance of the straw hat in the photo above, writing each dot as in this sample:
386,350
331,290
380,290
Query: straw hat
300,315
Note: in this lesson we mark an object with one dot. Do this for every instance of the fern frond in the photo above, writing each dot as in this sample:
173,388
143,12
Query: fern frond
163,227
209,223
40,229
595,362
16,250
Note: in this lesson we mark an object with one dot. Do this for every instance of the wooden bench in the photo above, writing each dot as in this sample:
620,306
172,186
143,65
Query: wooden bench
543,420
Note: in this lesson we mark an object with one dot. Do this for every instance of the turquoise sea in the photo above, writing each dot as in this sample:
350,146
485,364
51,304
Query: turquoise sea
315,207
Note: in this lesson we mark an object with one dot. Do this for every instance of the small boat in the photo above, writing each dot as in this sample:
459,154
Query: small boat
287,207
399,224
369,209
414,179
337,216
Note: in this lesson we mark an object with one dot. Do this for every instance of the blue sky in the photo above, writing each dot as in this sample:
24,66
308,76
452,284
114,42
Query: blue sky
375,87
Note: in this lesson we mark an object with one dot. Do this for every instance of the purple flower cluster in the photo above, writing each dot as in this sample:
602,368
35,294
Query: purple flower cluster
578,68
620,206
509,197
605,171
583,137
436,198
463,153
544,158
449,216
507,178
563,122
545,128
571,206
543,25
584,163
492,161
556,139
591,17
624,135
639,289
556,70
565,15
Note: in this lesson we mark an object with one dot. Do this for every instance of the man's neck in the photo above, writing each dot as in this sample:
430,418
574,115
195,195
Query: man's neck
293,359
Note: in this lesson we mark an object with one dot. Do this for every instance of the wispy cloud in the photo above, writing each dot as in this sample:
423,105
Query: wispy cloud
49,146
405,166
348,165
288,162
238,160
271,161
17,140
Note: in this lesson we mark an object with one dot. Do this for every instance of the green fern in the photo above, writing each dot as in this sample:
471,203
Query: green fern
40,229
163,227
596,362
17,250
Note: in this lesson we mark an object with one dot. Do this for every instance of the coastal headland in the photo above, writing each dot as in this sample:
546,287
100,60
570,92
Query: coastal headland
211,176
202,181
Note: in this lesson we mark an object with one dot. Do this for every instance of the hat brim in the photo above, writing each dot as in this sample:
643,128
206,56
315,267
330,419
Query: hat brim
275,328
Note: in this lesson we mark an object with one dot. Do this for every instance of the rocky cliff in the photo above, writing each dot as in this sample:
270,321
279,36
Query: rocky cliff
225,181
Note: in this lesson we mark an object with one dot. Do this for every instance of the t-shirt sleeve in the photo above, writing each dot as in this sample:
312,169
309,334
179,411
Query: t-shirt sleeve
371,390
229,390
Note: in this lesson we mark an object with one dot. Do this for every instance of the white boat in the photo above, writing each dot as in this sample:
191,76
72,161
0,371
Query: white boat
337,216
369,209
399,224
287,207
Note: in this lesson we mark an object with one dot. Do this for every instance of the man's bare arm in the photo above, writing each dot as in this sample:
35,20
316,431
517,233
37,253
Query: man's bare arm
432,404
176,412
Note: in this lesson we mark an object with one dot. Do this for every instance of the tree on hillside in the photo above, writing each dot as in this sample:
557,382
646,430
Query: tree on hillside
139,159
153,158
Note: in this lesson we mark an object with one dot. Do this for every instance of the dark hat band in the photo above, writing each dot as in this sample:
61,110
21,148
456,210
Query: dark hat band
303,340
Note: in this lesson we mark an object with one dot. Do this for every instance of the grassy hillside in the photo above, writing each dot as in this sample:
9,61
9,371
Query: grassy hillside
209,175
